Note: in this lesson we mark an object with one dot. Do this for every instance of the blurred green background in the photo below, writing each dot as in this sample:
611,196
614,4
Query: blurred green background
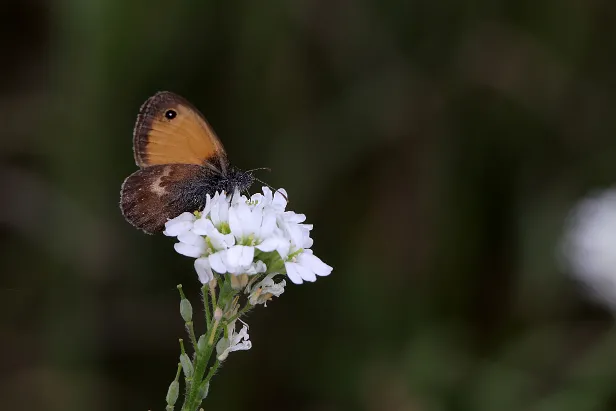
437,147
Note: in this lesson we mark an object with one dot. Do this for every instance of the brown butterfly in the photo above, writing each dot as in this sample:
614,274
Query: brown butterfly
181,161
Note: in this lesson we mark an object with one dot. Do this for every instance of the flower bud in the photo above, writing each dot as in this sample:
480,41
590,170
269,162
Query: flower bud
186,365
204,390
239,281
186,310
172,393
217,314
201,343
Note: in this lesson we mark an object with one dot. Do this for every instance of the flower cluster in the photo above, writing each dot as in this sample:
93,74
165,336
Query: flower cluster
247,237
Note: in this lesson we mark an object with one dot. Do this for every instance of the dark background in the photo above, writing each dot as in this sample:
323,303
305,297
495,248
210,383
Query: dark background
437,147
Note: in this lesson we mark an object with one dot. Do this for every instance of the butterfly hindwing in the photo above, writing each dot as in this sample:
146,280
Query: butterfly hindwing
151,196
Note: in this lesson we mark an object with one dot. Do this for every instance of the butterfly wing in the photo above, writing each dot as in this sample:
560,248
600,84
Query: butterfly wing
170,130
152,195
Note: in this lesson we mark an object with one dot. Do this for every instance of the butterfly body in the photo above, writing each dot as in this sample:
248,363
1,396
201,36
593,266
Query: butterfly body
181,161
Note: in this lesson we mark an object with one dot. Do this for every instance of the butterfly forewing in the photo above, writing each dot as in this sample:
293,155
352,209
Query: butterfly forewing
169,130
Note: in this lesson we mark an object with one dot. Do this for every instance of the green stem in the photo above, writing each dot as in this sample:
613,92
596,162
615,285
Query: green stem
213,294
206,304
212,371
192,400
177,373
191,332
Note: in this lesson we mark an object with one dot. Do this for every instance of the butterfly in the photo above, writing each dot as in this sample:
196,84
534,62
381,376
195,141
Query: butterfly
181,161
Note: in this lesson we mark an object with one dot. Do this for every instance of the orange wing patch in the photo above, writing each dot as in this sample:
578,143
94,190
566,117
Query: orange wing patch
169,130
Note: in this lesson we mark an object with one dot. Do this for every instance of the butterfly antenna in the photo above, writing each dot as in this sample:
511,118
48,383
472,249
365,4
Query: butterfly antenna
260,168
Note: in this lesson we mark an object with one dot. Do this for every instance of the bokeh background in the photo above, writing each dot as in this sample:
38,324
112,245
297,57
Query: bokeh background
437,146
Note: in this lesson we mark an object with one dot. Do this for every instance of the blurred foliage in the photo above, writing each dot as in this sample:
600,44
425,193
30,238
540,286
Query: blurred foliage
436,145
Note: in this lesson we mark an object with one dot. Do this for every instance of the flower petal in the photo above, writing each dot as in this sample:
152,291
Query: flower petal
236,196
177,228
314,263
219,241
179,224
219,212
283,248
228,240
280,199
253,226
208,206
202,225
269,244
233,255
240,255
235,222
248,253
189,250
191,238
306,273
257,267
292,217
296,235
293,273
217,262
268,225
257,198
267,195
204,270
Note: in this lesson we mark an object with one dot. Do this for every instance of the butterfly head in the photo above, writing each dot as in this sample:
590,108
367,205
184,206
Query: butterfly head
236,179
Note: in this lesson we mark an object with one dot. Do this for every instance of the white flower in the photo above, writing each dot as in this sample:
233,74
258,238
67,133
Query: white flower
180,224
590,245
305,267
264,290
241,236
235,341
190,245
205,227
